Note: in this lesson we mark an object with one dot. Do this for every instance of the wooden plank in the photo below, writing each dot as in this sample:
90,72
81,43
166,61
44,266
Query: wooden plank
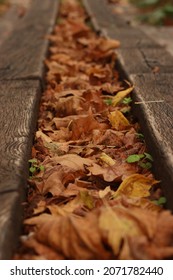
130,37
115,26
23,53
7,23
145,60
138,53
10,222
162,35
156,121
19,106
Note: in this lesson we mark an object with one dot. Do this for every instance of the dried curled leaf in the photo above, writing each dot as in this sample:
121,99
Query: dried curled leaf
117,227
121,95
128,234
107,159
74,237
73,161
118,120
136,185
108,44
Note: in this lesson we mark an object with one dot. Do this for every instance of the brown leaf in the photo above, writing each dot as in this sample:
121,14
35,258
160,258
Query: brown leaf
112,173
116,226
107,44
84,126
56,178
71,236
42,251
73,161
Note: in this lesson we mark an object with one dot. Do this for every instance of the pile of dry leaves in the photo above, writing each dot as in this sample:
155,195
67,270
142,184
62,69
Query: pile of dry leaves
91,194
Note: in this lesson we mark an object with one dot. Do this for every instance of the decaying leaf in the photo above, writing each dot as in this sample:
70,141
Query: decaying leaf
136,185
73,161
107,159
107,44
121,95
118,120
116,228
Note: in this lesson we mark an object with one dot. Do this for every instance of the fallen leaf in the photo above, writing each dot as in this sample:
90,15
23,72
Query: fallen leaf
113,173
121,95
118,120
105,192
107,159
116,227
107,44
71,236
73,161
136,185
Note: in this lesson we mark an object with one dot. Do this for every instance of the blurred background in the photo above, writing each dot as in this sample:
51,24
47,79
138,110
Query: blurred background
153,12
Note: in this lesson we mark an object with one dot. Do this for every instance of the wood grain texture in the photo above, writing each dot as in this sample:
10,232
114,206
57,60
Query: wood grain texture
156,119
10,223
144,60
18,116
23,53
7,23
115,26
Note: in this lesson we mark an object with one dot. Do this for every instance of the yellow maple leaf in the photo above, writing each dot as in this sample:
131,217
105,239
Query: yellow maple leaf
121,95
118,120
136,185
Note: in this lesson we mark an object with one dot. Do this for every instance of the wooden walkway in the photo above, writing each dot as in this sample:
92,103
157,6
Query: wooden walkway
21,83
149,67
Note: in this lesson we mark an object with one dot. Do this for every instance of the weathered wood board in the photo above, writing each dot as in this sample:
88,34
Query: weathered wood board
154,109
22,58
145,60
10,222
8,22
18,116
114,26
22,54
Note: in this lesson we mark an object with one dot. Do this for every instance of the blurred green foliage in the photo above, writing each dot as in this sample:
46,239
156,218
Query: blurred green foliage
156,12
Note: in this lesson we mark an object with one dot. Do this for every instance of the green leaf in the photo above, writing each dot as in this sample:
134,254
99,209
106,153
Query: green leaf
145,165
168,9
33,160
41,167
148,156
148,3
140,135
127,100
32,169
134,158
108,101
162,200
